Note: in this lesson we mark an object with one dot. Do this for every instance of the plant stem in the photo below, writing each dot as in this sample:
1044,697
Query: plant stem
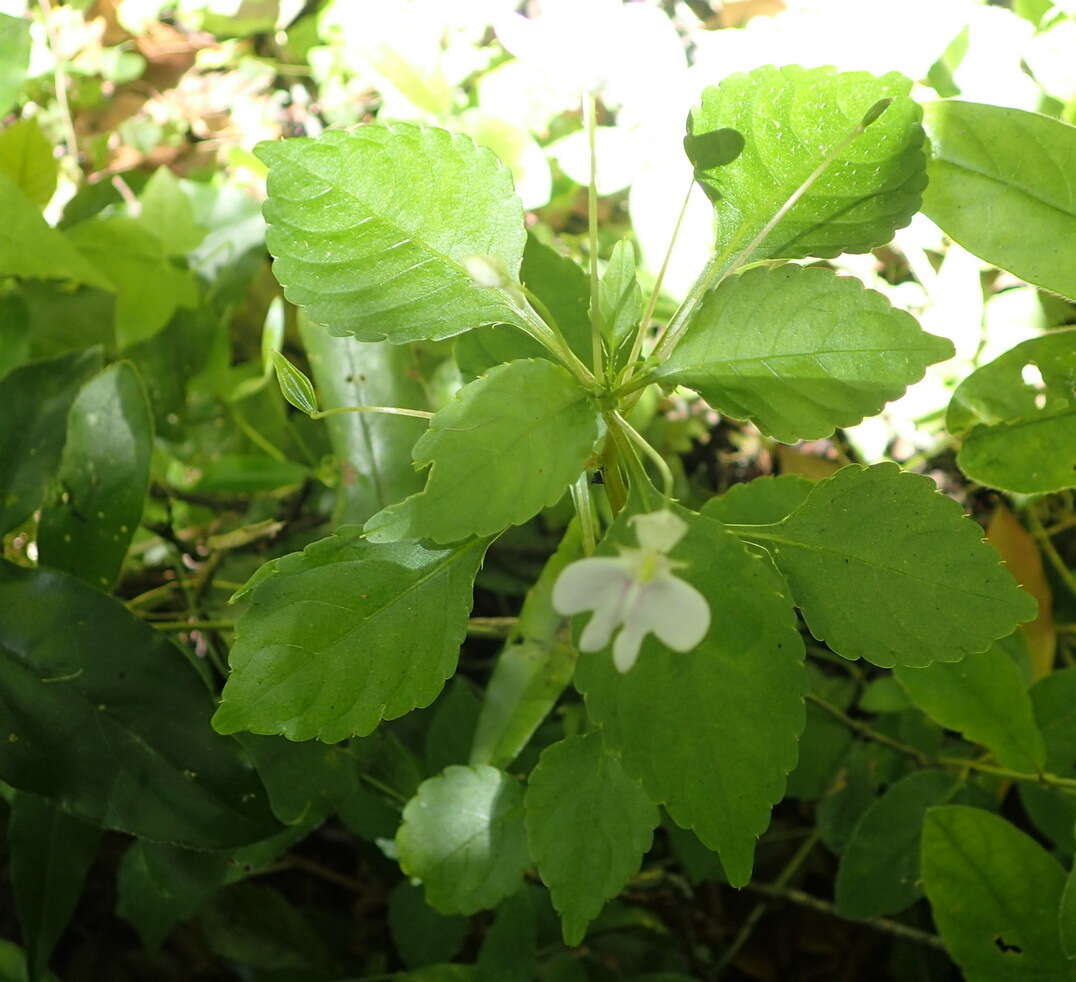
584,508
883,924
589,109
868,731
175,627
387,410
640,441
790,870
60,78
1060,566
491,627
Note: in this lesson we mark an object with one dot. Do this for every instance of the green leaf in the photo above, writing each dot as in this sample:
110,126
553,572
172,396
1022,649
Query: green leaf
14,58
95,502
507,446
800,351
256,926
421,935
149,287
463,837
763,501
451,728
791,118
50,853
825,740
879,868
305,781
531,671
1020,410
30,249
371,230
106,717
295,386
167,212
588,824
36,398
885,568
985,698
620,298
712,732
1067,915
1053,811
345,634
26,157
995,894
562,286
373,449
1000,186
509,951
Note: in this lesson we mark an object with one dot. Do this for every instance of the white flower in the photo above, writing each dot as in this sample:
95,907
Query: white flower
636,592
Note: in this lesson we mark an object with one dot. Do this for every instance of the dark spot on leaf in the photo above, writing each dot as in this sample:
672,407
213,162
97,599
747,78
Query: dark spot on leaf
1002,945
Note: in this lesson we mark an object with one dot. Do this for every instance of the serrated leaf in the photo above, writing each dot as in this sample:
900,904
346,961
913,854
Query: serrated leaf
620,298
14,58
879,868
30,249
985,698
345,634
763,501
50,853
1019,415
507,446
36,398
588,825
26,158
95,503
561,285
1000,186
106,717
370,230
295,387
800,351
149,287
885,568
167,212
463,837
995,893
373,449
791,118
734,703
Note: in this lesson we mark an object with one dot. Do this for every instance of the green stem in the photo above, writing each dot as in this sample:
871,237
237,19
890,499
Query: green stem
491,627
175,627
790,870
592,234
637,438
387,410
1051,553
584,507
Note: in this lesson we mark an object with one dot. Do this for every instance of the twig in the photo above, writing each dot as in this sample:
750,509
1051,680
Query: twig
1047,546
60,78
883,924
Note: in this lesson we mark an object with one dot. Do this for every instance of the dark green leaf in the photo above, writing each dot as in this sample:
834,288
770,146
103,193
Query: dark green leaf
985,698
763,501
371,230
1000,186
825,740
50,853
995,895
734,703
421,935
508,445
373,449
791,118
886,568
800,351
104,715
509,952
452,725
588,825
36,398
463,837
345,634
95,502
879,869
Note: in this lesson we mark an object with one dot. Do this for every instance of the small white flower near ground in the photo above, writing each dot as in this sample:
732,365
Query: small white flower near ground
636,592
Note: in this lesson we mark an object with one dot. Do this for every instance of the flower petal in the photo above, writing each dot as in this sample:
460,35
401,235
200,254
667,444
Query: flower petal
590,583
674,610
628,642
600,629
659,531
